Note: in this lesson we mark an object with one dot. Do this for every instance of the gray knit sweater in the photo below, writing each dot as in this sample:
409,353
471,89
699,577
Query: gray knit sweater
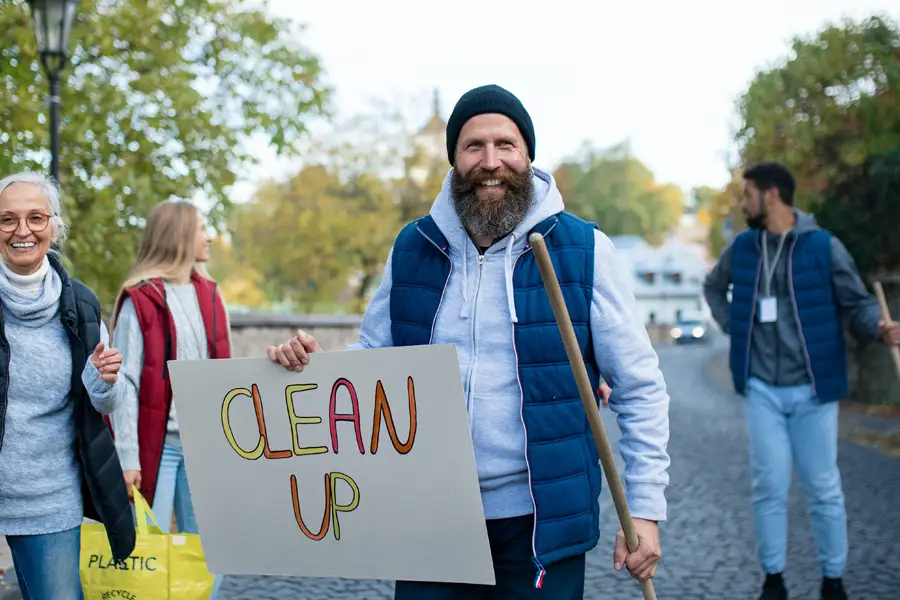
190,337
40,478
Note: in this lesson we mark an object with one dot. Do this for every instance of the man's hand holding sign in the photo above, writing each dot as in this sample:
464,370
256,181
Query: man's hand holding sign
294,354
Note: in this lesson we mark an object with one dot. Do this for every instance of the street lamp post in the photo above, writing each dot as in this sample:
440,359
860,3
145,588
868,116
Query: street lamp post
53,21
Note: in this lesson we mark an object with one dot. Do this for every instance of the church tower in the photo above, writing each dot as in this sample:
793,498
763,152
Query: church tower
430,146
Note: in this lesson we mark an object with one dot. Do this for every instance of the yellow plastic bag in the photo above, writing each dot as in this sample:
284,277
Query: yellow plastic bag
163,566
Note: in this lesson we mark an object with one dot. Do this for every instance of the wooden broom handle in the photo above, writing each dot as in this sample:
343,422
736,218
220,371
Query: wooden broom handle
586,391
886,317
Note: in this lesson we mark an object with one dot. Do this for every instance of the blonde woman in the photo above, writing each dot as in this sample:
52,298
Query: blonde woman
169,308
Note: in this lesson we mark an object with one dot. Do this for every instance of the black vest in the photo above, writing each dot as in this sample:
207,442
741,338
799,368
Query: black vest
103,484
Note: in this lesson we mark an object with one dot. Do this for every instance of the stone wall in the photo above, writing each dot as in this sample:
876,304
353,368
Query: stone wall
873,376
251,334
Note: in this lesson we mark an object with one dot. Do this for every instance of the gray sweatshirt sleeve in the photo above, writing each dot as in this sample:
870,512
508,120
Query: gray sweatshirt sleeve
104,396
375,331
715,290
858,306
130,342
629,364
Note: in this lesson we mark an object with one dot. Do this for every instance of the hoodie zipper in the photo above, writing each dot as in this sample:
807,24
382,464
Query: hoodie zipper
470,403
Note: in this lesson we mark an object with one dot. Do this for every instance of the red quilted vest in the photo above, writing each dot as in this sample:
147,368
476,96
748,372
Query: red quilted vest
158,329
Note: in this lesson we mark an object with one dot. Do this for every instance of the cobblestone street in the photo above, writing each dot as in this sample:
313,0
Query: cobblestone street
708,546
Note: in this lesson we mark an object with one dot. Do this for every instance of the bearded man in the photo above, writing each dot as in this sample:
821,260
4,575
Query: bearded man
466,275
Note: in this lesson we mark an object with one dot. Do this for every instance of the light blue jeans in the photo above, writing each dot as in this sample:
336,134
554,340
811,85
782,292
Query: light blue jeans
47,565
173,494
788,425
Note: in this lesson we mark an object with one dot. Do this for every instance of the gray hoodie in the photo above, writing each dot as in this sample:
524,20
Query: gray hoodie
478,313
776,351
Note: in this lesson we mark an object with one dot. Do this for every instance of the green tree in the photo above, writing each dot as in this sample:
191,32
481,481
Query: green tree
618,192
320,239
720,210
702,197
831,113
319,236
420,183
831,104
864,208
240,283
382,141
157,103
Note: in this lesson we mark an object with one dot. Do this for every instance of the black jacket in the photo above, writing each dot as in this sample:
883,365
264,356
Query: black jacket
103,484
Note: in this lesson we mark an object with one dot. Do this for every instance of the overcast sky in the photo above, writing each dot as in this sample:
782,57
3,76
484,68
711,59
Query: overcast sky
664,75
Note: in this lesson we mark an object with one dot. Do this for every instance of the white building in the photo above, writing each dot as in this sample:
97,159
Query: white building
667,282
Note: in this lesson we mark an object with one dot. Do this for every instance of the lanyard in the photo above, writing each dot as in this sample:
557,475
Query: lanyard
770,272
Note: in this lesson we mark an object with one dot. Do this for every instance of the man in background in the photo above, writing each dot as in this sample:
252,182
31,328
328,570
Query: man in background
793,283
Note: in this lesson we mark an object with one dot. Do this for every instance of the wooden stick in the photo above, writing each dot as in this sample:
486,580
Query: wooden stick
576,361
886,317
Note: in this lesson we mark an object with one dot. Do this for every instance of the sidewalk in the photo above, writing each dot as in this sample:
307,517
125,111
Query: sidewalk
876,426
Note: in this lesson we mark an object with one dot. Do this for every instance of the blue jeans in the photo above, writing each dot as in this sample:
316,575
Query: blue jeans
788,425
47,565
173,493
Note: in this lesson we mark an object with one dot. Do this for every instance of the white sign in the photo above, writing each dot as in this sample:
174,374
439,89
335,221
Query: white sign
359,467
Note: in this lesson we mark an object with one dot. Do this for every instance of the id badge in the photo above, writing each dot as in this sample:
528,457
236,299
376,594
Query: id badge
768,310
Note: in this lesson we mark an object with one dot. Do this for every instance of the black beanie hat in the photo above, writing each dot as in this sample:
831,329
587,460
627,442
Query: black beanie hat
483,100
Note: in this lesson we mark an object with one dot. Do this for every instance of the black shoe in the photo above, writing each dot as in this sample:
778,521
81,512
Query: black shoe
833,589
773,588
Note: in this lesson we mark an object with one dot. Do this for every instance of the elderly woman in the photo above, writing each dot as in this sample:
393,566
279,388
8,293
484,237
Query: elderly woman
58,463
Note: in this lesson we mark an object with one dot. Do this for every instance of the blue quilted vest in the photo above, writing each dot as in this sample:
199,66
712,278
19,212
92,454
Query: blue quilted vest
815,309
564,472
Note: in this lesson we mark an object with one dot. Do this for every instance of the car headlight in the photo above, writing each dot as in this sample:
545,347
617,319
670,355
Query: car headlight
676,332
698,332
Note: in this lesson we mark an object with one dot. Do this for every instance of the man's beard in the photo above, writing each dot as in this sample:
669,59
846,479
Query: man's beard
494,217
756,222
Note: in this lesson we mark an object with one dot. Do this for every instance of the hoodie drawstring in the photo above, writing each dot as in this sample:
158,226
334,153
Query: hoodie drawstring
507,275
464,248
507,272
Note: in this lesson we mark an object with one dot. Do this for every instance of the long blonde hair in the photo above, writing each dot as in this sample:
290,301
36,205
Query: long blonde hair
168,247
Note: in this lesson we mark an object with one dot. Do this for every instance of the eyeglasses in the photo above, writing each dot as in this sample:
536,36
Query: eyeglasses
36,222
